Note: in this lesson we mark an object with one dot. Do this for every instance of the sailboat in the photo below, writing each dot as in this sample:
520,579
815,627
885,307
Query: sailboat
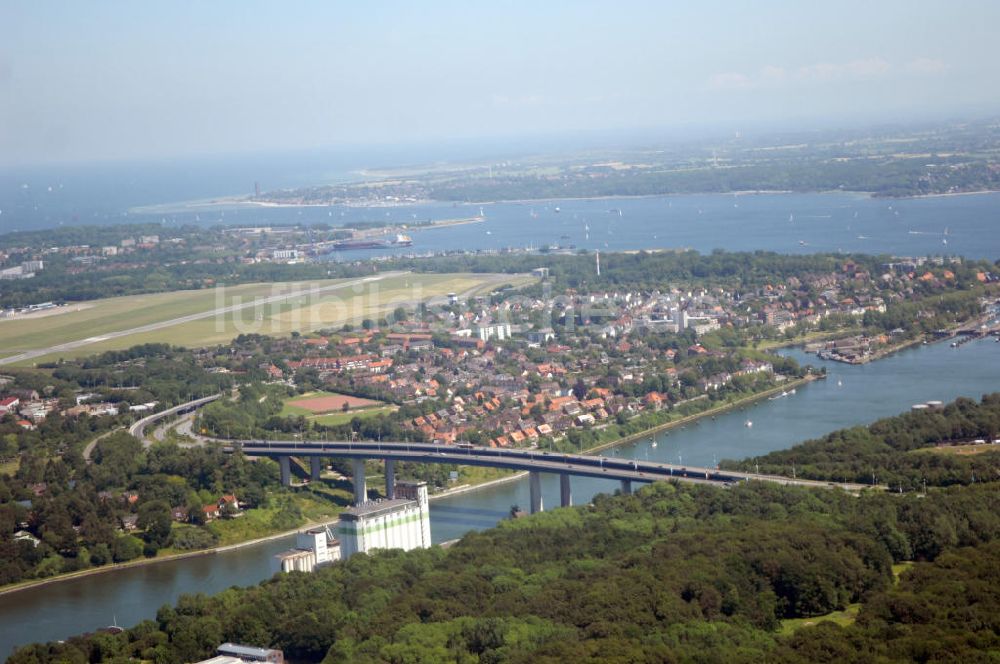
113,628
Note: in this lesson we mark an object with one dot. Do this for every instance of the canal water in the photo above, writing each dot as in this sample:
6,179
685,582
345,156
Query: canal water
850,395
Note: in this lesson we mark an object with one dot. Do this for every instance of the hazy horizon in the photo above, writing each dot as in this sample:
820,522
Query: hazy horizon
158,81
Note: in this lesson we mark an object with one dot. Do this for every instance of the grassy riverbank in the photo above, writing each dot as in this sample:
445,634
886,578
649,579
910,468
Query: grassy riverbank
254,527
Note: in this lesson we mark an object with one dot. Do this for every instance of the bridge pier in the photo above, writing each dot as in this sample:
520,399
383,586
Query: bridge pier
360,487
565,493
315,468
285,464
626,487
390,478
535,488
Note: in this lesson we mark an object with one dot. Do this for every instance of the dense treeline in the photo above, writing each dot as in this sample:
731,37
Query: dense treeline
674,573
90,235
77,511
882,177
641,269
618,270
54,285
901,452
742,270
940,612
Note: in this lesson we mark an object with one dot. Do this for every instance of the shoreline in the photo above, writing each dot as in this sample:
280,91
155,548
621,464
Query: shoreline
920,340
467,488
949,194
114,567
223,203
716,410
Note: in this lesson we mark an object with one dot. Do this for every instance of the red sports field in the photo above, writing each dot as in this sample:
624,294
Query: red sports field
332,402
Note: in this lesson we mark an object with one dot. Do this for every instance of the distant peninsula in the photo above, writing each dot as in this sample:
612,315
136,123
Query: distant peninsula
941,160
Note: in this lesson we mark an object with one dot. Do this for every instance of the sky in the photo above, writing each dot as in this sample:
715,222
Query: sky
82,81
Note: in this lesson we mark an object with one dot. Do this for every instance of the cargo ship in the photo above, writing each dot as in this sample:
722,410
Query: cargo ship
372,243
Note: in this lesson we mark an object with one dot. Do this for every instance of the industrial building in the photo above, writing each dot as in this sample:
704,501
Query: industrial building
312,549
233,653
400,523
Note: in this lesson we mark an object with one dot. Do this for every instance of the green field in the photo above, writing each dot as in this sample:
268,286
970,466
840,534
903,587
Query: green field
260,522
97,317
842,618
334,419
899,568
351,304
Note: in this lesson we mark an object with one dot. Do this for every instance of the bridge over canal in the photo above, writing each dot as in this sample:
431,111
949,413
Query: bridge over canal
535,462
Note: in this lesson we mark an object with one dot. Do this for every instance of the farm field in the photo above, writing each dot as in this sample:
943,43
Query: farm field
352,303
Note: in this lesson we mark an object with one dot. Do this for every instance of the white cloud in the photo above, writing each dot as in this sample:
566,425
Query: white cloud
522,100
866,69
926,66
730,81
854,70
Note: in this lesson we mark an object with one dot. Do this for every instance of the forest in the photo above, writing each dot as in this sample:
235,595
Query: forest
674,573
78,511
900,452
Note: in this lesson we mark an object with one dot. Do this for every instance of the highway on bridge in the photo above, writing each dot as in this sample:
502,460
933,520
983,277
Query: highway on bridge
534,461
138,428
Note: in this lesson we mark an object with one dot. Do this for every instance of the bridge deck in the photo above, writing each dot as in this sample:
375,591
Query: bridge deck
612,468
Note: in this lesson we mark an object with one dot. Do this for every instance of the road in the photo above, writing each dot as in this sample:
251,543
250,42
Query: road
138,428
89,449
219,311
614,468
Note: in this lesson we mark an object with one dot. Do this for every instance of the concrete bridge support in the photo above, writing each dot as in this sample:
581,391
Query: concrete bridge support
390,478
285,464
565,493
535,488
315,468
626,487
360,487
